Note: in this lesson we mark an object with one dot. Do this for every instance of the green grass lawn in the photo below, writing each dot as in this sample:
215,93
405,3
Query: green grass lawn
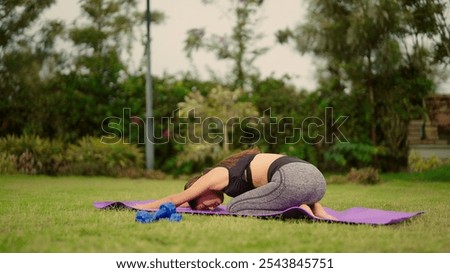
55,214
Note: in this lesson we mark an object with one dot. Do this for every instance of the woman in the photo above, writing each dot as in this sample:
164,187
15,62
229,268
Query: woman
259,182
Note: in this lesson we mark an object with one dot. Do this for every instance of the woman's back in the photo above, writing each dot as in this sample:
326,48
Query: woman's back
260,167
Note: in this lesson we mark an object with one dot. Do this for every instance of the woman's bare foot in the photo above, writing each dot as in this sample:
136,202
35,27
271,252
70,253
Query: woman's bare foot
307,209
320,212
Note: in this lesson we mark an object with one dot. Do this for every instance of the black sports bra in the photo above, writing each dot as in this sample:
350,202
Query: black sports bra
240,177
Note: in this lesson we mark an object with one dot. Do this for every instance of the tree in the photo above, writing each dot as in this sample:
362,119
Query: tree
16,16
239,47
282,111
26,63
98,65
384,52
94,81
212,123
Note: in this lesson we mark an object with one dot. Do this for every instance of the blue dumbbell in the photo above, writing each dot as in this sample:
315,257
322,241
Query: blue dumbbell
175,217
143,216
165,211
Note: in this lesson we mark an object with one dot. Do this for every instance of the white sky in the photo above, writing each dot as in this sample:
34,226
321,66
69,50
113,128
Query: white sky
181,15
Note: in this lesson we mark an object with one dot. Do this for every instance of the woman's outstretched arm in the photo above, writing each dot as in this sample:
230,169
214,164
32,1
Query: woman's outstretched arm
216,179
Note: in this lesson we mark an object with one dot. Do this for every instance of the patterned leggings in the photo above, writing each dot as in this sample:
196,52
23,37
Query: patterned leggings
292,184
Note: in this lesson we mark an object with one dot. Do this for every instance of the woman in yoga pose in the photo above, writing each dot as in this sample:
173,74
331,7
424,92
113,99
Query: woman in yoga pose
258,182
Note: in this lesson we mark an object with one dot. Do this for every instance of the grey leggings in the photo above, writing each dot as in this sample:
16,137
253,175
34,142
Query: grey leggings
293,184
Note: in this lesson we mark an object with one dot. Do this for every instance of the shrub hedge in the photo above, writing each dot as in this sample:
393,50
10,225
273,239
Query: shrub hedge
417,163
88,156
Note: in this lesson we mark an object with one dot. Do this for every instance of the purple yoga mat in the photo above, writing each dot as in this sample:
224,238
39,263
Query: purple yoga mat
356,215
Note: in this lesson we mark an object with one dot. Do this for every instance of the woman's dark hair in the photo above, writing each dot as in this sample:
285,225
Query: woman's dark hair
232,160
228,163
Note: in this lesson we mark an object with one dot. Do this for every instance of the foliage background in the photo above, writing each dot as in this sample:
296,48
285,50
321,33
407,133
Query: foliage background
378,62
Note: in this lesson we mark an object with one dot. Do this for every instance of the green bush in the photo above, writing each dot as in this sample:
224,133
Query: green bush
417,163
353,154
7,163
89,156
32,154
140,173
337,179
367,176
